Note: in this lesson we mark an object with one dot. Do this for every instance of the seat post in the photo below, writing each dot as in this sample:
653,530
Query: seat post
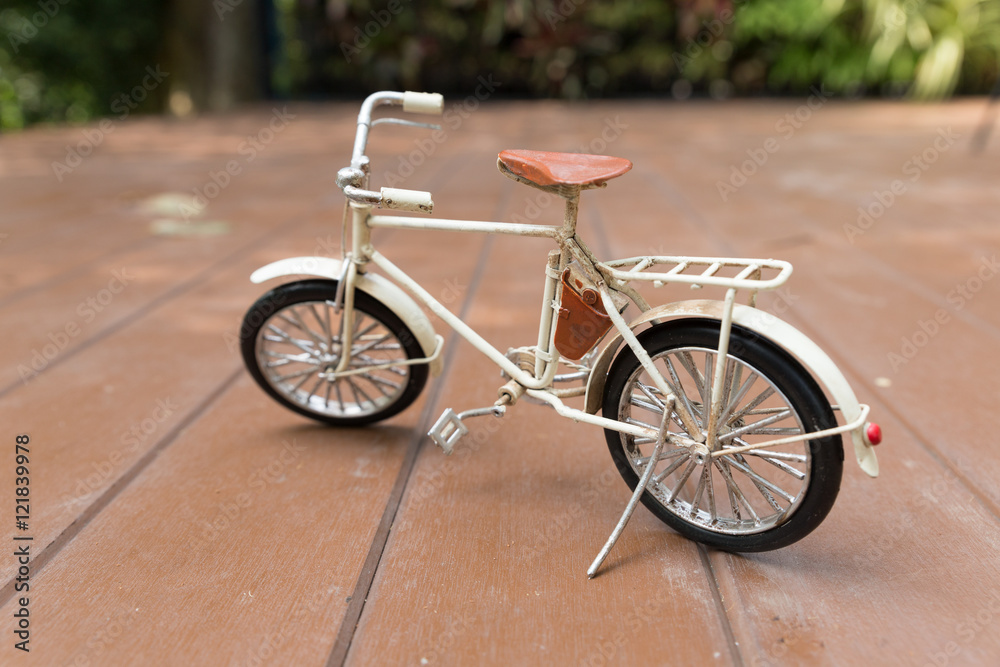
572,197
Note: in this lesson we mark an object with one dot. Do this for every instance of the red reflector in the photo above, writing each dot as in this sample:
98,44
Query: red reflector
873,434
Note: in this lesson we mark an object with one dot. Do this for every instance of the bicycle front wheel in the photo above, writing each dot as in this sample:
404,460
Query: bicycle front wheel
756,500
291,344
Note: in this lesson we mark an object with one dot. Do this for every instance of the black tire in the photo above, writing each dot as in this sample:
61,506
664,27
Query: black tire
690,504
307,305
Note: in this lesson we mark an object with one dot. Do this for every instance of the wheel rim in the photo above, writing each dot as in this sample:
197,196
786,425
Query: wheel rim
298,349
734,494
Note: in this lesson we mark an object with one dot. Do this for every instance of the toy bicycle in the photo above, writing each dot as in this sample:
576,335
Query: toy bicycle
714,411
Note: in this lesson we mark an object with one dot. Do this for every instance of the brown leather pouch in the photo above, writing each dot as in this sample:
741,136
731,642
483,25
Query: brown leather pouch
582,318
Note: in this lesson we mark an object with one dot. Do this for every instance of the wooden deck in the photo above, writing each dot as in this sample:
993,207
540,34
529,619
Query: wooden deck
179,516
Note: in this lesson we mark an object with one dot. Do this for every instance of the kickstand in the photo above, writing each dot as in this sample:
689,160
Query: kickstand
647,474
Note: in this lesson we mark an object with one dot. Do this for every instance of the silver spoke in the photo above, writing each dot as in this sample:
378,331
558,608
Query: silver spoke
288,339
771,454
746,470
668,470
692,464
712,511
678,389
737,492
306,330
377,386
324,324
734,401
648,392
312,392
376,380
646,405
636,422
698,492
358,390
778,430
298,367
784,467
307,372
340,396
706,397
734,504
642,461
752,428
761,397
369,345
688,363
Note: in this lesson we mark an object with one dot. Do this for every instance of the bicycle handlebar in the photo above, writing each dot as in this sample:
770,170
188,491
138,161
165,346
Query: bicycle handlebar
426,103
351,179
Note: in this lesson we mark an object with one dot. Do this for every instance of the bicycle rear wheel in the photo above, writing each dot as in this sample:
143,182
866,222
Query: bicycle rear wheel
757,500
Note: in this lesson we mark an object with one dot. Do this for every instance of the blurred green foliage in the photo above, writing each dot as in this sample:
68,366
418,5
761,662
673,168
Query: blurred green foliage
89,51
593,48
68,60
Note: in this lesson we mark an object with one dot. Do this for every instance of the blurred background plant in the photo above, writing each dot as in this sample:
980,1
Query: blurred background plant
68,60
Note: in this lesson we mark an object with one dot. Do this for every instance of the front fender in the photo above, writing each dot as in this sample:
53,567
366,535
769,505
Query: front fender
768,326
378,287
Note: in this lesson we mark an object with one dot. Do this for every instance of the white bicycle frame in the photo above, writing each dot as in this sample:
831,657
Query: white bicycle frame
612,275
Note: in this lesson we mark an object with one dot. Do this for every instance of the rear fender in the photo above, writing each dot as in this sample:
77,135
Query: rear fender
812,357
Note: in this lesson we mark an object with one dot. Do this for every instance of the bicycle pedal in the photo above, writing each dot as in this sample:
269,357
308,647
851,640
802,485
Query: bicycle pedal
448,430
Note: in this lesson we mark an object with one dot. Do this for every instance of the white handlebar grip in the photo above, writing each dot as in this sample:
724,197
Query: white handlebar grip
429,103
407,200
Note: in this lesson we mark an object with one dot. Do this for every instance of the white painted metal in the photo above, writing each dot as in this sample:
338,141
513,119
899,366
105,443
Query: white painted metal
443,224
680,265
721,360
640,488
461,328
